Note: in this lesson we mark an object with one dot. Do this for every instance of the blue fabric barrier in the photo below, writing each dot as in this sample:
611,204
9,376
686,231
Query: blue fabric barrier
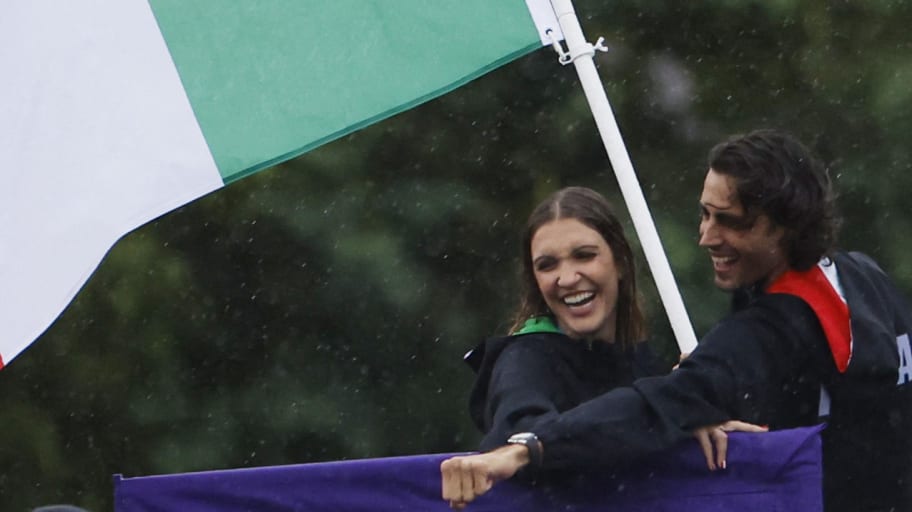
775,471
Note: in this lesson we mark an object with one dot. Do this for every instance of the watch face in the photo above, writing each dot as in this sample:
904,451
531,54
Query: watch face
522,438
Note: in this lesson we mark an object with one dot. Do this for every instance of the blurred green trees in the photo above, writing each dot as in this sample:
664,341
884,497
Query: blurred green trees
319,310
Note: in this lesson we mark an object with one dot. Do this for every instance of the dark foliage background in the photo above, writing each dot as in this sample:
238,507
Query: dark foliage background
319,310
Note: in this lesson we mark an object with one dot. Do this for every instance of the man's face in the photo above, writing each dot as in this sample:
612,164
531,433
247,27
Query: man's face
743,252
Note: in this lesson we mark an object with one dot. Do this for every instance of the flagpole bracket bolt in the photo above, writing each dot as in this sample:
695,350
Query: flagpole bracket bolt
566,57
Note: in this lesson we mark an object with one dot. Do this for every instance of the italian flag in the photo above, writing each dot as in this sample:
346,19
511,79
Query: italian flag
116,111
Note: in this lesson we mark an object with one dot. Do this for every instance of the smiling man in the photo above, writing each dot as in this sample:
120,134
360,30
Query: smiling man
769,224
815,335
745,248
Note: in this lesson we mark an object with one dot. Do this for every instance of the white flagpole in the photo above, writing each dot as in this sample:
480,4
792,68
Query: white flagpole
580,53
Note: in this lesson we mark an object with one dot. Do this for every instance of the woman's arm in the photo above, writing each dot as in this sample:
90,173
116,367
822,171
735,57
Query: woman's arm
468,477
525,386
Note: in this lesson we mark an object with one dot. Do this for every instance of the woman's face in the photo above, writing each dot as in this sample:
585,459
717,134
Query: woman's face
575,272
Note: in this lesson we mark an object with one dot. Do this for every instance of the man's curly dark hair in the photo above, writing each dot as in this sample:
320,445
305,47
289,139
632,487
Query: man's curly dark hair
777,175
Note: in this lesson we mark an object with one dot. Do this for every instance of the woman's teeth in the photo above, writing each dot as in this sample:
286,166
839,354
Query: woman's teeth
578,299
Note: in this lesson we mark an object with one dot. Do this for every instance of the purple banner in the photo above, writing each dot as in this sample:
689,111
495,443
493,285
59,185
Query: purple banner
766,472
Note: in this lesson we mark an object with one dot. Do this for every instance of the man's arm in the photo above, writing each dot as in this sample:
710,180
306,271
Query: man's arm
737,372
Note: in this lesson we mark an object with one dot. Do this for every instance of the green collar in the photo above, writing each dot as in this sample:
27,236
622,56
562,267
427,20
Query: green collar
538,324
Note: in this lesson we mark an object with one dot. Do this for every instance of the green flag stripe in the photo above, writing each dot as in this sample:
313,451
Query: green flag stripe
338,68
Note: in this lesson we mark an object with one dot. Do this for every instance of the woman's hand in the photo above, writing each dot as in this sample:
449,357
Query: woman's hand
467,477
716,436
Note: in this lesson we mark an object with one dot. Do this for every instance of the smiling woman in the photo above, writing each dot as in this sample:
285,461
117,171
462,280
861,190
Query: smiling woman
575,272
574,252
578,331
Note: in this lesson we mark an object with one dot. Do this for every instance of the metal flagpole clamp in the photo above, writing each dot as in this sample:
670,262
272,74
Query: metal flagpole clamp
565,57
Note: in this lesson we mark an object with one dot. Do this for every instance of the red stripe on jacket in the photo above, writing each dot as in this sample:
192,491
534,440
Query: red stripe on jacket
814,288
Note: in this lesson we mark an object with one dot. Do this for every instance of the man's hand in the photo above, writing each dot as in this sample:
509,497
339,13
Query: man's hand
467,477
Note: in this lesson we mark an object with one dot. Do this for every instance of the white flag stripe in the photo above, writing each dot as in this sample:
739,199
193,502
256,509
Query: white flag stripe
94,85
